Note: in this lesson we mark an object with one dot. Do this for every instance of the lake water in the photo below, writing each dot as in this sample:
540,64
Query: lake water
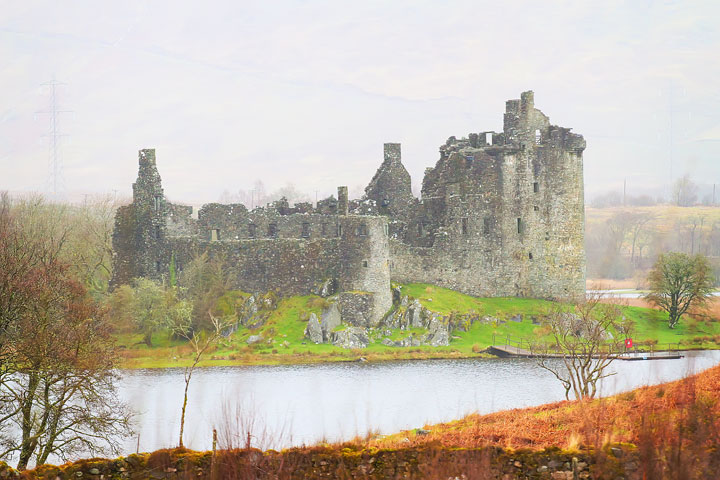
304,404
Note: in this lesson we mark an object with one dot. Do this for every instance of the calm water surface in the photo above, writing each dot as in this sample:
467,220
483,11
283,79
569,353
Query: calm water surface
303,404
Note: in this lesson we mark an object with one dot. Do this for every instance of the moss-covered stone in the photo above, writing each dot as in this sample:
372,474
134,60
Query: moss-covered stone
348,461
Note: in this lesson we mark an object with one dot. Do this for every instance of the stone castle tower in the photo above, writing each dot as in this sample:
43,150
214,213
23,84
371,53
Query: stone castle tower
501,214
140,239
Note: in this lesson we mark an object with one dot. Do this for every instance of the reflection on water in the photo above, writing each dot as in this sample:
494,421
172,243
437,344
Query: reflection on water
303,404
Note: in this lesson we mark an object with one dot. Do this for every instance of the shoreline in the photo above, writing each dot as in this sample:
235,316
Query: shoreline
483,355
319,360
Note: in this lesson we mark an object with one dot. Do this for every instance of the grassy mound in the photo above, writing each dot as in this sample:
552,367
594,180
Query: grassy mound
283,342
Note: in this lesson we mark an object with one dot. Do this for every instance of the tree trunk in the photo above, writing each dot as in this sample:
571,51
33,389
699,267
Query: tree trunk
182,414
28,443
673,312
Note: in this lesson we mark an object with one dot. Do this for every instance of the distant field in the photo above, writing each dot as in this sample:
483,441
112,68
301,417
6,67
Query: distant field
654,230
284,342
665,215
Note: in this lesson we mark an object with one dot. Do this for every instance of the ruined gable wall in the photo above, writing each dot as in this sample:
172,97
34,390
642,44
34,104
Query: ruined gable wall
462,243
390,188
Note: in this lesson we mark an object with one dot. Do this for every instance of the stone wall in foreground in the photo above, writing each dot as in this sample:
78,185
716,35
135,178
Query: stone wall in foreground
351,463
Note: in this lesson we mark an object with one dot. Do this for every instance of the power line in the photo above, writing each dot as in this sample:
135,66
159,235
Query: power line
55,178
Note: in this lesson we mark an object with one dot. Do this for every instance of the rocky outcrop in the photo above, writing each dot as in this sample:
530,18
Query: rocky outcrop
313,331
351,337
330,320
248,311
352,309
408,341
256,309
438,332
414,315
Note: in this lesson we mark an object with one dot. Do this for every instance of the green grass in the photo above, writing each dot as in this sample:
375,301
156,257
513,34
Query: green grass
284,342
653,325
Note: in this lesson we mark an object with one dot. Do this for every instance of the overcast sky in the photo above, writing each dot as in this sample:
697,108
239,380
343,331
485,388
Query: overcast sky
308,91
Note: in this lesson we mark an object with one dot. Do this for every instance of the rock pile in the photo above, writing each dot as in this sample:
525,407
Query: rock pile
357,333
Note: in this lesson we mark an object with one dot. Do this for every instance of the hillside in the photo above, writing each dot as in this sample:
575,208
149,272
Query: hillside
680,414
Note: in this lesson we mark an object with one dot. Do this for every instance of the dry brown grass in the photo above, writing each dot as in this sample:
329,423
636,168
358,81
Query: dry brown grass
610,284
670,409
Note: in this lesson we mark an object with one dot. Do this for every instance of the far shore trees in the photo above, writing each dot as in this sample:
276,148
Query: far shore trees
684,191
583,341
204,280
150,307
679,282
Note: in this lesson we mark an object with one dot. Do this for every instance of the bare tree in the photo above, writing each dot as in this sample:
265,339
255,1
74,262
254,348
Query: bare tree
200,342
688,233
619,226
638,226
583,340
57,376
91,242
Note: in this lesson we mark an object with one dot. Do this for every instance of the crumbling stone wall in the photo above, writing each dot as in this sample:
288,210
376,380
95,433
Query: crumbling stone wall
354,253
287,249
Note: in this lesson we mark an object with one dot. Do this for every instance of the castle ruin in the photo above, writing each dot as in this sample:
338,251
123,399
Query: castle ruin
500,214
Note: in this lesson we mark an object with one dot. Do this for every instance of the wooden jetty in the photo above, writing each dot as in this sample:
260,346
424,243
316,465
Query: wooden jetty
510,351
